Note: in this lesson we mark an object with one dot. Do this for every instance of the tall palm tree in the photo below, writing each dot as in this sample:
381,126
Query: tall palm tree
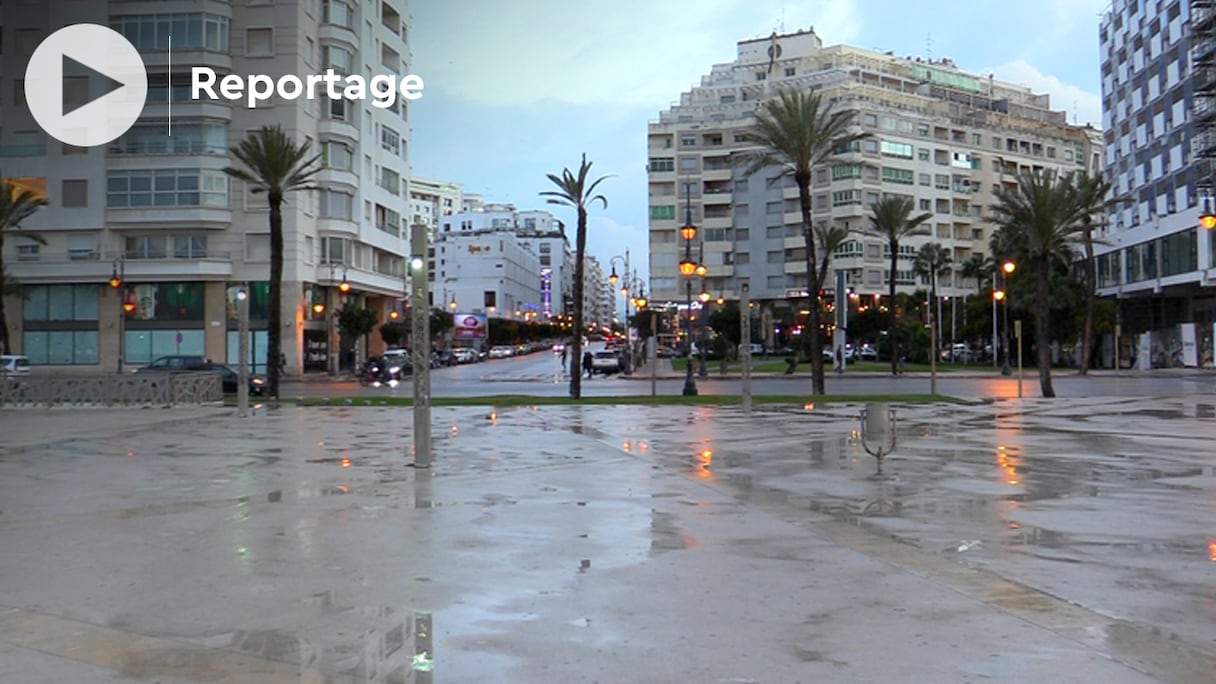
574,191
16,205
1040,221
931,262
893,221
1091,195
276,165
978,266
795,132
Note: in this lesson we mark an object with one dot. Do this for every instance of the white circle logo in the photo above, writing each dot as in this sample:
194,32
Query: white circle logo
86,85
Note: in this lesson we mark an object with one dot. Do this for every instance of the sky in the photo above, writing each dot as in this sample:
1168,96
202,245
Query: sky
517,89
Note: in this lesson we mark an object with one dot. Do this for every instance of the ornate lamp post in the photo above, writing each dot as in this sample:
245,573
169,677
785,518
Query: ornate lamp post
117,278
1007,268
687,268
343,287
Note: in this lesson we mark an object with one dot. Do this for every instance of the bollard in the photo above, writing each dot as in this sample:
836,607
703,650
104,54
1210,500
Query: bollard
878,431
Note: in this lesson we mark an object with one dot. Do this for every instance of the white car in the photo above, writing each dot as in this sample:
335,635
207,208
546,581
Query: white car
606,361
14,365
502,351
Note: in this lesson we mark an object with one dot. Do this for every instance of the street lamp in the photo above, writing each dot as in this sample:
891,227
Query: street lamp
1207,219
118,276
1007,268
343,287
687,267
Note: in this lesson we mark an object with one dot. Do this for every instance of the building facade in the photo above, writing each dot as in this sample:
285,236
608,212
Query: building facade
431,200
161,212
1158,106
503,262
943,137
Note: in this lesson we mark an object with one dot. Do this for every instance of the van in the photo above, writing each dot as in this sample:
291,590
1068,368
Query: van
15,365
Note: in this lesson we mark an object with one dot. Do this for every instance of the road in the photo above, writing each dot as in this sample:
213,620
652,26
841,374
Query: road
541,374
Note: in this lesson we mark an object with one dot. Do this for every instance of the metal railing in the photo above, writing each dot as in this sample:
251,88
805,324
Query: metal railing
127,389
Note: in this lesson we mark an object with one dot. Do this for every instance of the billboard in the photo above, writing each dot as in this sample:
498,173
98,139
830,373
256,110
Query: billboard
469,326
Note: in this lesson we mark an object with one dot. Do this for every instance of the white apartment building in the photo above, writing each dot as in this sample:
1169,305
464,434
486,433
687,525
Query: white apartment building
597,304
161,211
1158,107
431,200
504,262
944,137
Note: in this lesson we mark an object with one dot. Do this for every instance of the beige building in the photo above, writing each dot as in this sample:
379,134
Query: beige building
944,137
159,209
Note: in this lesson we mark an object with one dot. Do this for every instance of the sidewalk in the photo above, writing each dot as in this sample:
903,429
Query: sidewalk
607,543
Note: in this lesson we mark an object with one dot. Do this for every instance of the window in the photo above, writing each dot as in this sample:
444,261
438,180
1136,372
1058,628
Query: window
189,137
337,110
189,246
390,139
894,149
663,213
688,140
337,155
923,154
869,120
259,42
901,176
661,164
337,58
75,192
336,204
489,299
190,31
845,171
60,303
688,164
28,251
789,71
846,197
337,12
389,180
166,188
925,179
388,220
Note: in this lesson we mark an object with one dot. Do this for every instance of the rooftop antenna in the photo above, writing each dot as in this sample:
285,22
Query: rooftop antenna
929,46
1076,104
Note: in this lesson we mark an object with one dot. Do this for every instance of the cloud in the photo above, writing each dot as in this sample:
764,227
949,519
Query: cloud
640,52
1083,105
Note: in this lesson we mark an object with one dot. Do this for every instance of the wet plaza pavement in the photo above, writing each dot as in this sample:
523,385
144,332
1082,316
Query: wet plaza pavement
1012,541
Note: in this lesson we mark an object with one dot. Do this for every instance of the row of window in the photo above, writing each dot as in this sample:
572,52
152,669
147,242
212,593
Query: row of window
189,31
167,188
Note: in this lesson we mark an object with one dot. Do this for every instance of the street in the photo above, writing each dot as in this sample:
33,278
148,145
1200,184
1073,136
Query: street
541,374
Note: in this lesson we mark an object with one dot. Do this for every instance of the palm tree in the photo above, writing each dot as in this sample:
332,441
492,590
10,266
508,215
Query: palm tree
276,166
16,205
978,266
932,261
893,221
797,131
1091,194
574,191
1039,222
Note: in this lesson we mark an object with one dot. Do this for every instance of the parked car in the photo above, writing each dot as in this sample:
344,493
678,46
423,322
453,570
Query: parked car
175,363
465,355
230,379
958,352
606,362
14,365
756,349
664,352
867,353
502,351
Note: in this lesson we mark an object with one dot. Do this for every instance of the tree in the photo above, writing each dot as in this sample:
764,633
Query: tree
893,221
16,205
276,165
797,131
357,321
441,322
1039,222
393,334
1091,193
980,267
575,191
932,261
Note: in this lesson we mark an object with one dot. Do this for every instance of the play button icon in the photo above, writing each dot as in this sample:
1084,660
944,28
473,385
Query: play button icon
86,85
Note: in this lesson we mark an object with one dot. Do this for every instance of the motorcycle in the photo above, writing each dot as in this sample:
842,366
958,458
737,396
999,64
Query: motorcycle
377,372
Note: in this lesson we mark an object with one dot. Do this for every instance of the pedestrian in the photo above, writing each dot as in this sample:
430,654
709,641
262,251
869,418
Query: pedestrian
563,357
587,363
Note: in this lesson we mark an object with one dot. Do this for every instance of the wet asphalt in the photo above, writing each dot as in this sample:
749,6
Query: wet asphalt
1014,541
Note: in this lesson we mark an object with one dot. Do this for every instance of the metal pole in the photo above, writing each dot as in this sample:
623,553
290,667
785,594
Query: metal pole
995,362
1005,369
330,348
933,342
242,314
421,352
1017,331
690,385
122,313
654,354
745,327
